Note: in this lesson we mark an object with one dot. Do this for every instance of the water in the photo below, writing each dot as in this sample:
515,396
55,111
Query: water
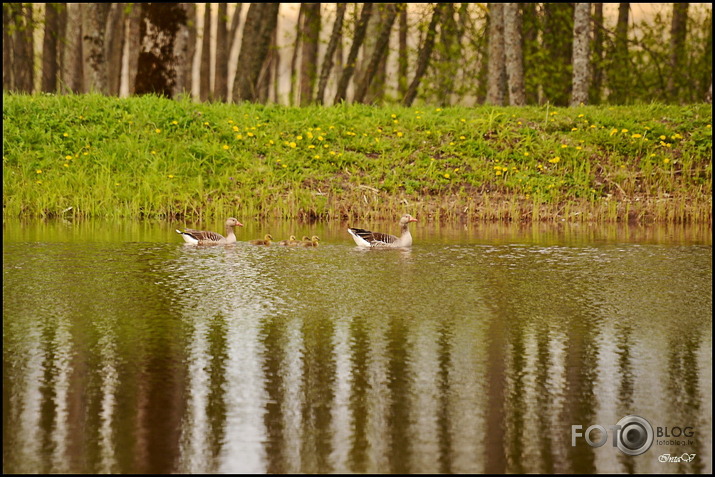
125,350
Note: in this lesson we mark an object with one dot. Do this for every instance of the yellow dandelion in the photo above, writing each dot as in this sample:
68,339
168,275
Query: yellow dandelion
171,176
39,171
175,123
462,138
555,160
250,134
463,120
38,182
613,131
292,144
68,157
284,165
438,109
498,173
230,121
446,175
526,153
393,116
65,135
225,146
153,152
396,121
666,160
157,130
624,130
299,138
320,138
593,126
399,134
270,141
580,116
206,123
311,147
316,156
66,165
239,136
636,136
553,113
564,146
662,138
574,129
235,129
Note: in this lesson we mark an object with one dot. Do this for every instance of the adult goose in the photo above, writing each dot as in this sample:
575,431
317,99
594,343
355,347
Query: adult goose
291,242
203,237
266,240
365,238
310,242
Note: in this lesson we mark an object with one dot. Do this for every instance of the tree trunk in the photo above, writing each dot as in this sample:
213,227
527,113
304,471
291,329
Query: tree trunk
514,56
448,57
265,79
157,66
379,51
581,38
294,58
114,47
496,74
73,66
403,60
134,18
7,47
222,47
184,50
335,38
310,33
678,32
50,47
94,23
261,20
530,27
619,71
423,56
23,64
205,70
597,58
358,38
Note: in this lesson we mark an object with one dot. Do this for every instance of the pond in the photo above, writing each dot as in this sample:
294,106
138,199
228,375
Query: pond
482,349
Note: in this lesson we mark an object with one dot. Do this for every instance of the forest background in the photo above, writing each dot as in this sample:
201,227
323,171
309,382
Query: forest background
537,56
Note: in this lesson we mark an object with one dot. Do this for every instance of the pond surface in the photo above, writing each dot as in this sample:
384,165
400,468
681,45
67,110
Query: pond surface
126,351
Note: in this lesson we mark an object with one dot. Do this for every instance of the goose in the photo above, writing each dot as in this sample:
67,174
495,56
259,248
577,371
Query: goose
203,237
365,238
266,240
310,242
291,242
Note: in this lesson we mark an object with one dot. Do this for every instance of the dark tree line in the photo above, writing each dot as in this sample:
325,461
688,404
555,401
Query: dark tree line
443,53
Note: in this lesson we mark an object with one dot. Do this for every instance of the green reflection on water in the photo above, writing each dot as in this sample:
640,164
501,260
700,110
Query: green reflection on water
126,351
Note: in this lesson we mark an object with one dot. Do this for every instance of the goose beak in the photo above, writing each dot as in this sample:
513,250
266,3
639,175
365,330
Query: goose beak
412,220
239,224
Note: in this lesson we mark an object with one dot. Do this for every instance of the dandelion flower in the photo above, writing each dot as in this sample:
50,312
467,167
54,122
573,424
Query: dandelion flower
555,160
438,109
66,135
292,144
66,165
171,176
175,123
446,175
39,171
157,130
574,129
564,146
526,153
393,116
235,129
225,146
239,136
666,160
462,138
498,173
316,156
299,138
662,138
311,147
320,138
68,157
250,134
399,134
636,136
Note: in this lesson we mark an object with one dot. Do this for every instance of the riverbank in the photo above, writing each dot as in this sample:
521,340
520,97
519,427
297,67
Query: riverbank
148,157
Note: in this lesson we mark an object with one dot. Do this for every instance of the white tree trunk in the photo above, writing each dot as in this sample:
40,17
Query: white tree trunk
581,39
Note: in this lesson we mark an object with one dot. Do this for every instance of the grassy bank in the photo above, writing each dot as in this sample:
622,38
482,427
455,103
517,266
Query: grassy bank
151,157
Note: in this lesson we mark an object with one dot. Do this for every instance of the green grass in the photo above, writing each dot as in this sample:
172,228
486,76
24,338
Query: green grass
152,157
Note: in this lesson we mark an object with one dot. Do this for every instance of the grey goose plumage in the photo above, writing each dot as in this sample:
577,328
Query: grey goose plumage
367,239
204,237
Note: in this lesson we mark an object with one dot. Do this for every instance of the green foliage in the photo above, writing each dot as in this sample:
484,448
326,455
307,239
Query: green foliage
153,157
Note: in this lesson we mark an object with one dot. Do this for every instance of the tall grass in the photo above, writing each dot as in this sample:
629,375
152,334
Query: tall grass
152,157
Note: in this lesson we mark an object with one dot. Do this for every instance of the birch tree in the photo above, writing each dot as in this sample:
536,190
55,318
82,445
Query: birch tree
328,60
581,38
678,33
220,91
424,55
205,68
378,52
496,68
514,57
358,38
310,33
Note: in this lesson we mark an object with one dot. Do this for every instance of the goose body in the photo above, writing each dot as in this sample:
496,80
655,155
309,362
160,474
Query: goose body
367,239
204,237
266,240
291,242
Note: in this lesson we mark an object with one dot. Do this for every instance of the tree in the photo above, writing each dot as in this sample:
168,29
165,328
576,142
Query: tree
496,68
294,58
73,66
597,56
222,50
530,28
678,32
205,69
134,16
513,54
581,30
114,47
50,47
310,33
7,57
402,56
619,70
335,37
21,26
261,20
184,51
424,54
358,38
94,24
157,65
378,52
